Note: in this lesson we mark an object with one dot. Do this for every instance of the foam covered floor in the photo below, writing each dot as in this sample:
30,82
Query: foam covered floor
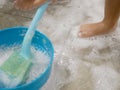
79,64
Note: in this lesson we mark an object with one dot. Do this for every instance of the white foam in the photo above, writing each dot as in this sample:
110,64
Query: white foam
62,24
40,62
81,64
105,78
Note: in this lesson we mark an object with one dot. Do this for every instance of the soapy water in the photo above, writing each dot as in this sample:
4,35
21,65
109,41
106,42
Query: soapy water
40,63
87,64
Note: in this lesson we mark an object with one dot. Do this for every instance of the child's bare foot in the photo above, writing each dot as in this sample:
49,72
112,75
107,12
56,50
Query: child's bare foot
100,28
28,4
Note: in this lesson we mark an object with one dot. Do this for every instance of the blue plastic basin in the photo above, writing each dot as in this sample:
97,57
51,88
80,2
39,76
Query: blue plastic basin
15,35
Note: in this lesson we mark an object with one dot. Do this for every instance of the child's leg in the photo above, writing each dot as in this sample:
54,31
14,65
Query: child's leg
28,4
112,11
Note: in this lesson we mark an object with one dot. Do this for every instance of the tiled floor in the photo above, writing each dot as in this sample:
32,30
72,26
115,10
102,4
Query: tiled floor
79,64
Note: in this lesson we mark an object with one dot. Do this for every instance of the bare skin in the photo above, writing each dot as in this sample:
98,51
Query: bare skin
28,4
112,11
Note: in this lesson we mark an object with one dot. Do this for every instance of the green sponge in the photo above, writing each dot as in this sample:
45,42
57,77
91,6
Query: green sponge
15,68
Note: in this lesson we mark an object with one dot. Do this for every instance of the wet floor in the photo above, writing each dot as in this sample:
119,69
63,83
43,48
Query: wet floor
79,64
